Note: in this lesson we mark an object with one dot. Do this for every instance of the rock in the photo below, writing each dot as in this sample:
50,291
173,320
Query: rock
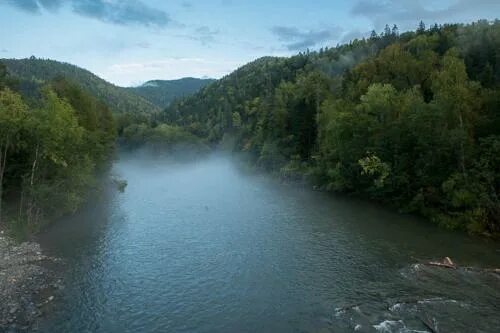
22,279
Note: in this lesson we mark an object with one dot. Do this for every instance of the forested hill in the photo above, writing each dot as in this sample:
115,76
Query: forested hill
163,92
53,142
120,100
411,119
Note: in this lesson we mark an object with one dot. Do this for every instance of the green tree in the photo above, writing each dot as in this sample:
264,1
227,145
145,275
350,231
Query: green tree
455,95
60,167
12,117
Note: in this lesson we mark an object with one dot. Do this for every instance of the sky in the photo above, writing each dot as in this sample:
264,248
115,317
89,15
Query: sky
128,42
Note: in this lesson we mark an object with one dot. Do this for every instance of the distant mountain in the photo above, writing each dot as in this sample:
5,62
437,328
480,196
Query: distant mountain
119,99
163,92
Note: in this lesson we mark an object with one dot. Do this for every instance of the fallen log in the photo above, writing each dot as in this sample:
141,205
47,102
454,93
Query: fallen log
449,264
446,263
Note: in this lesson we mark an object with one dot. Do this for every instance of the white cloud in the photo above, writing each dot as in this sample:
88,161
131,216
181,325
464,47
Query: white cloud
133,73
407,13
297,40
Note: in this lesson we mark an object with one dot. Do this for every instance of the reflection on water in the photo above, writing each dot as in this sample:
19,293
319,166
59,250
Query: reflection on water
204,247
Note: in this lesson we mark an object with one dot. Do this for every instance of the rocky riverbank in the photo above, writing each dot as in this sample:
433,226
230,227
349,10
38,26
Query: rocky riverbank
27,284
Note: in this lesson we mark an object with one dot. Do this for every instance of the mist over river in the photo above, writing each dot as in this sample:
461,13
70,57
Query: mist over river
203,246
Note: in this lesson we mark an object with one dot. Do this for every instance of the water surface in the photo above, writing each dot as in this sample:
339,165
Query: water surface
202,246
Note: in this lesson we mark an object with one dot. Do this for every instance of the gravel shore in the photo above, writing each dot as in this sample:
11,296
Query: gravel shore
27,284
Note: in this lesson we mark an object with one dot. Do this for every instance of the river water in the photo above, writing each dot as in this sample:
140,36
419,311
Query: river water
203,246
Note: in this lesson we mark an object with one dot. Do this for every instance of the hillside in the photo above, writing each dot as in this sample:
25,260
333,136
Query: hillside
410,119
163,92
120,100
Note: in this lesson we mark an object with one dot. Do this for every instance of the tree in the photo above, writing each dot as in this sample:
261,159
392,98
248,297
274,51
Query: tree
421,28
12,117
395,31
454,94
3,74
397,118
387,31
373,166
59,164
236,120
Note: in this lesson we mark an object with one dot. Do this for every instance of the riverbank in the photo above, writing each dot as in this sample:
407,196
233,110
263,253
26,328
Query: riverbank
27,284
207,246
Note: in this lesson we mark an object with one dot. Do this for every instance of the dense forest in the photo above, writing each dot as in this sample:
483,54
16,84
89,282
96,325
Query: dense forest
34,71
410,119
132,107
52,142
163,92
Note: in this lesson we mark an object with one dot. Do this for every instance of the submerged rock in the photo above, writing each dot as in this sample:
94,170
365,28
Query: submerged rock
120,184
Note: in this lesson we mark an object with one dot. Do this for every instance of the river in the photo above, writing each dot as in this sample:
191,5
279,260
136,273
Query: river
203,246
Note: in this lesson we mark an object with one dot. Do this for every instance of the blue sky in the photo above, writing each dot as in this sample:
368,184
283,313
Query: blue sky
128,42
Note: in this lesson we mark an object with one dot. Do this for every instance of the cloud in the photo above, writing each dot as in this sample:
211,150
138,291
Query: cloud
127,74
26,5
408,13
354,34
204,34
50,4
187,5
143,45
295,39
121,12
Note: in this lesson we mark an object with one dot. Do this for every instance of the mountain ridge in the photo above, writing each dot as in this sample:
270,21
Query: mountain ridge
40,71
163,92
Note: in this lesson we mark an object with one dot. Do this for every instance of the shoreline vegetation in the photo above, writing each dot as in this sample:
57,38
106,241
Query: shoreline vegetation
408,119
411,120
54,139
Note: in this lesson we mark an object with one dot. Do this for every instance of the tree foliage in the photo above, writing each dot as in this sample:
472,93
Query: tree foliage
50,148
33,72
163,92
411,119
